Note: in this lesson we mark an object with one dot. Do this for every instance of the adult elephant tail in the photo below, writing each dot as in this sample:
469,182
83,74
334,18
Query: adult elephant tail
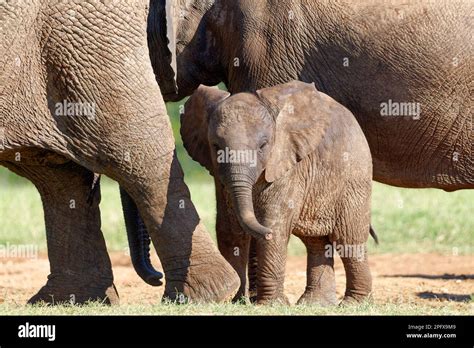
139,241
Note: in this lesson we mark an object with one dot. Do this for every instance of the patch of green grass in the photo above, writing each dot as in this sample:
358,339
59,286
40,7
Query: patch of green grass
406,221
423,220
448,308
21,212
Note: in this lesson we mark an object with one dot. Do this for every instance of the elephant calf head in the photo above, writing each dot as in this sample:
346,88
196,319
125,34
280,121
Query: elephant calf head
248,137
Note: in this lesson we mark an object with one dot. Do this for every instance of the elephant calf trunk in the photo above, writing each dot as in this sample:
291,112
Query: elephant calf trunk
250,225
241,193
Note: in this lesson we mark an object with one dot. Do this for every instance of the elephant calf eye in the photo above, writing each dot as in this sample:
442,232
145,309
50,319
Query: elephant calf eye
262,146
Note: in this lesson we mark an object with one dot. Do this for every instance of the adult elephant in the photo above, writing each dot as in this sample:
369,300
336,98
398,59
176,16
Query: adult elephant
79,97
404,69
371,56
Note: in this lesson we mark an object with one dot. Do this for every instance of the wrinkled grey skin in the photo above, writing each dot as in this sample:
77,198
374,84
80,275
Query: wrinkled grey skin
415,51
311,176
96,52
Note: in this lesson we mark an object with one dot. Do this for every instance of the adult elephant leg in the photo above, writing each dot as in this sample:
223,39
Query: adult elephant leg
128,137
320,277
192,264
80,268
233,243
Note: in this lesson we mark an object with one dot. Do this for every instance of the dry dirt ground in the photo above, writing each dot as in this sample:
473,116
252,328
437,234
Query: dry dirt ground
428,279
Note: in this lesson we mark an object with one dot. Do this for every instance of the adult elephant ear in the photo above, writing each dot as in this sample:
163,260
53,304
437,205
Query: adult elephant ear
302,116
171,28
195,123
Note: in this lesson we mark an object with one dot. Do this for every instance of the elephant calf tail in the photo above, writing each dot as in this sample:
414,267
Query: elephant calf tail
374,235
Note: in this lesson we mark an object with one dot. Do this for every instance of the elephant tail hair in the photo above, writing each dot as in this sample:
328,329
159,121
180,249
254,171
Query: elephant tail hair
374,235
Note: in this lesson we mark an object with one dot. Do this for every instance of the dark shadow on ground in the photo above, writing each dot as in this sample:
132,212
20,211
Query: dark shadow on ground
445,276
428,295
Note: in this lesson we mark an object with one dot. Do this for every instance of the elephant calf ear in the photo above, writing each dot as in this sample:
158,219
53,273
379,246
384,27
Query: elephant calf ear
302,116
194,123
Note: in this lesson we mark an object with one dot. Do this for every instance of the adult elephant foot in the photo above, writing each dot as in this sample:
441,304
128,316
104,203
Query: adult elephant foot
67,289
215,277
194,269
210,280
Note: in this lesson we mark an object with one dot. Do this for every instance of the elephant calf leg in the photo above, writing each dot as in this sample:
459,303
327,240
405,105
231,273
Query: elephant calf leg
234,248
252,270
233,243
271,270
79,264
320,281
358,277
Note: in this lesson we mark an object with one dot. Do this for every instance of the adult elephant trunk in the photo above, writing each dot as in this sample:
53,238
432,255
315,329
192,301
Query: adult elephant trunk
139,242
161,36
239,184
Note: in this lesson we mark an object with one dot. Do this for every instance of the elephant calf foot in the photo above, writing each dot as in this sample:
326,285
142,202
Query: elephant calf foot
320,276
314,296
267,295
280,299
351,298
358,280
70,290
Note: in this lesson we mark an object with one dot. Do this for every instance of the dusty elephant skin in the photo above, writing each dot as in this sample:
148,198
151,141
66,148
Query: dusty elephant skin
371,56
295,160
364,54
79,97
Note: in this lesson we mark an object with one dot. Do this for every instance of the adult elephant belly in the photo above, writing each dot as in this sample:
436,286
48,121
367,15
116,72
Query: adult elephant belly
404,70
417,119
418,137
409,88
434,150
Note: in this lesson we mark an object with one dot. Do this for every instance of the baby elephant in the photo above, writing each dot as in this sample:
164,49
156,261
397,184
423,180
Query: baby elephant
290,160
